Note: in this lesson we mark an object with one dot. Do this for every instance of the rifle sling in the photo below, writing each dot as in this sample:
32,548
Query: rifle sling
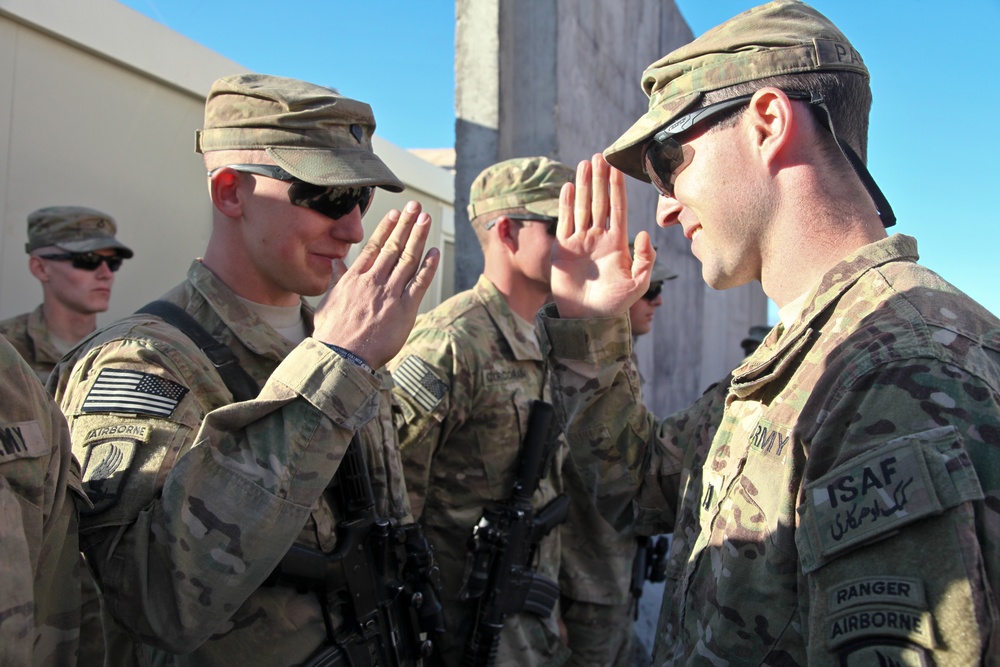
238,381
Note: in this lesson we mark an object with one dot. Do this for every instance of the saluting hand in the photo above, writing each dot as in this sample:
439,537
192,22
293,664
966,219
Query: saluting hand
593,273
373,306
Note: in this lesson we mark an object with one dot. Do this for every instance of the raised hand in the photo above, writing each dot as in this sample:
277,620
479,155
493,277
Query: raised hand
372,308
593,273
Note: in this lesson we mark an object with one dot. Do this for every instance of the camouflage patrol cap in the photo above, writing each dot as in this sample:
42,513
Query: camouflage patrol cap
531,183
73,229
311,132
779,38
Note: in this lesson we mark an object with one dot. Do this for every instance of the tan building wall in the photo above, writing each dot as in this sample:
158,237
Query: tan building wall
99,107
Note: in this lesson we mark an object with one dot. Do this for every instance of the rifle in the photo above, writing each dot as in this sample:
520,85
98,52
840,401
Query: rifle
650,564
382,584
503,546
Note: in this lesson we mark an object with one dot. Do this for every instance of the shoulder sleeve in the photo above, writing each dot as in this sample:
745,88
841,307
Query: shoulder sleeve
424,376
619,447
899,530
192,510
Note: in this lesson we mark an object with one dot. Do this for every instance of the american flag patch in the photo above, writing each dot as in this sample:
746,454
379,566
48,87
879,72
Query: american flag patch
132,391
416,377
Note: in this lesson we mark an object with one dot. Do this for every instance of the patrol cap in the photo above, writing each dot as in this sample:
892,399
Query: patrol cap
309,131
779,38
73,229
660,271
531,183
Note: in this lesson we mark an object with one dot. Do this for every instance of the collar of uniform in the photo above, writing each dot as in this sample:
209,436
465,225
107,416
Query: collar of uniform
503,317
41,338
783,344
250,329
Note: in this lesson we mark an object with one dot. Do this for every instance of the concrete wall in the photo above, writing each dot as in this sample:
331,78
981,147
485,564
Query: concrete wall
561,78
98,107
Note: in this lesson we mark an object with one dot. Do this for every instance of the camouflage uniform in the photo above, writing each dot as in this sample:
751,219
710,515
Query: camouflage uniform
30,337
845,505
154,476
197,498
460,440
71,229
39,550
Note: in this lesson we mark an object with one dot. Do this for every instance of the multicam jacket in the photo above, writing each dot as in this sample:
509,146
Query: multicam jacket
39,549
29,335
845,510
464,383
196,498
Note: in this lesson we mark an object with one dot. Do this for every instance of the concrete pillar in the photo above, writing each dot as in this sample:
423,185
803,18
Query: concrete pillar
561,78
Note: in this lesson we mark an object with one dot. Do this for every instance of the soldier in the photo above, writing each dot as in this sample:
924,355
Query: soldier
196,497
464,383
74,254
39,548
596,573
846,509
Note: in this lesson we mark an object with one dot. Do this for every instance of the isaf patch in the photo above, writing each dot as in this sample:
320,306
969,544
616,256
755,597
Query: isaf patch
881,491
133,392
416,378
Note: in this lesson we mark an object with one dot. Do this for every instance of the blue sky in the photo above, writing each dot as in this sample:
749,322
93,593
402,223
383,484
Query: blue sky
934,138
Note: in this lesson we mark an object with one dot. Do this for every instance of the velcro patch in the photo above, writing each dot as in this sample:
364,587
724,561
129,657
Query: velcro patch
830,52
22,440
883,621
138,432
110,450
904,591
888,654
883,490
133,392
417,378
493,376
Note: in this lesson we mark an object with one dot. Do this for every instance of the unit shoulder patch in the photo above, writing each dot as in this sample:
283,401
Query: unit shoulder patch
881,491
109,451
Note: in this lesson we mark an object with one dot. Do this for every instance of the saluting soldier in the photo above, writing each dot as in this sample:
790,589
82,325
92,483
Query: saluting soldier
842,510
196,498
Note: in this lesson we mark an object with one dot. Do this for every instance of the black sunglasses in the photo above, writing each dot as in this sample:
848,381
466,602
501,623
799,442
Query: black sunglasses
547,220
653,291
663,153
88,261
333,201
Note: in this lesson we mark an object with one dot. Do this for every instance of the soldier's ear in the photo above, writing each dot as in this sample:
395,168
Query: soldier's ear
225,189
505,232
38,269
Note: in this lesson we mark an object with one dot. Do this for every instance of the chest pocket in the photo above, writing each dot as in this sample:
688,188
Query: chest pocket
743,586
499,432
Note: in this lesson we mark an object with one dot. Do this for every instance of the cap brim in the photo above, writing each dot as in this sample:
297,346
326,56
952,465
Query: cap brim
96,243
626,153
547,207
336,167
